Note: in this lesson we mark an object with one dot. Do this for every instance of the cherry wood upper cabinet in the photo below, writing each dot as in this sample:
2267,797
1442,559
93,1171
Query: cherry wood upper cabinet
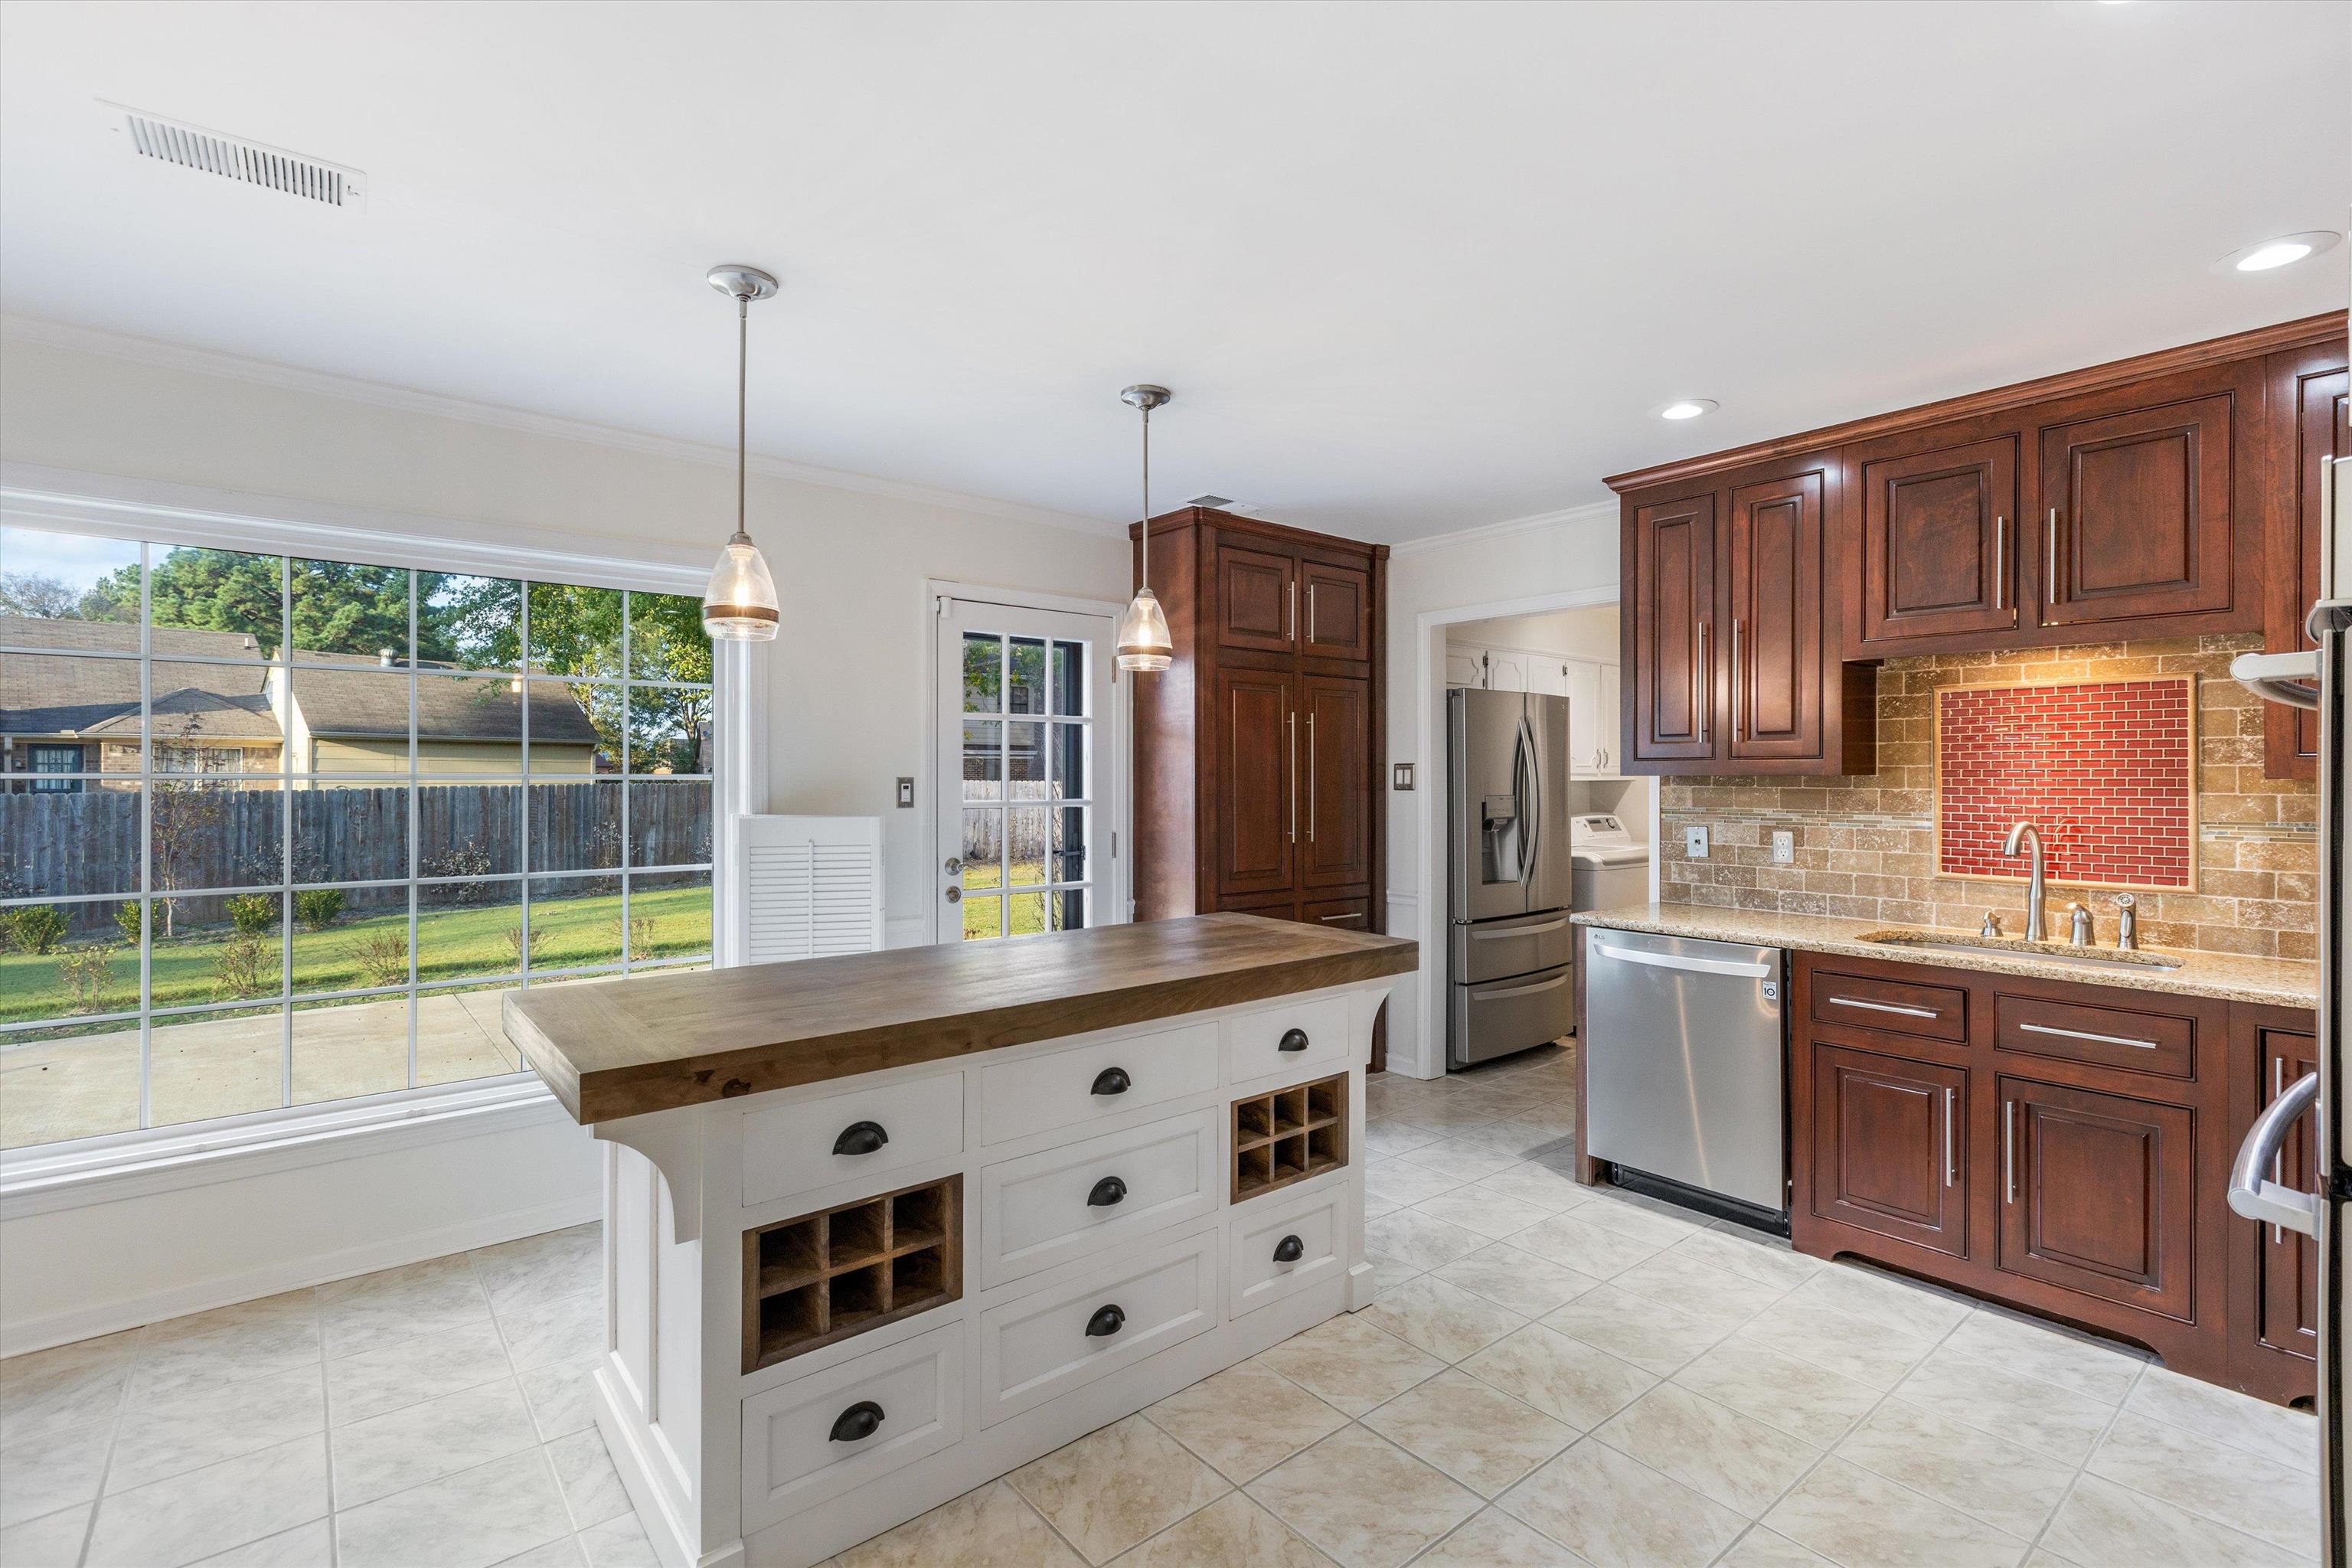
1336,841
1257,723
1775,649
1335,617
1668,636
1889,1143
2099,1194
2135,522
1258,599
1938,512
2309,390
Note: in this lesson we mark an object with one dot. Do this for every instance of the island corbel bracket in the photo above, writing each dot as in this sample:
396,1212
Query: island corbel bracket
672,1142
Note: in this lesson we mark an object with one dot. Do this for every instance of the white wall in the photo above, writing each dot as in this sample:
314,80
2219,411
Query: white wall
1573,634
845,681
1508,569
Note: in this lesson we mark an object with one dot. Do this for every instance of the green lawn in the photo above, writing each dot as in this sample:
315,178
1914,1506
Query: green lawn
452,944
979,915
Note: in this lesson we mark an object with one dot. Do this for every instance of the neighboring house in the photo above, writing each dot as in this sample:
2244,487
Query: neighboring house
337,714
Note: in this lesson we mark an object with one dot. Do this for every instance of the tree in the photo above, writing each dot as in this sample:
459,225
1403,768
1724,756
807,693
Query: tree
37,594
338,607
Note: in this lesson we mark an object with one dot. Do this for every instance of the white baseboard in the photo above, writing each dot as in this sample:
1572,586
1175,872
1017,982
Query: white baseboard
317,1269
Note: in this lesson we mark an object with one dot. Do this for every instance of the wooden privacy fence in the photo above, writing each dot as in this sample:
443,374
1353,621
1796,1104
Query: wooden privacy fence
63,844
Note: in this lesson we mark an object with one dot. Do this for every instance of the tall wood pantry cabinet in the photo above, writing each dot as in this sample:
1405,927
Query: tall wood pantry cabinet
1258,752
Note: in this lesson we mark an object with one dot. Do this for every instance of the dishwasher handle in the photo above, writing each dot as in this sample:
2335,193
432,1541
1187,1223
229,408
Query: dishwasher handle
1678,961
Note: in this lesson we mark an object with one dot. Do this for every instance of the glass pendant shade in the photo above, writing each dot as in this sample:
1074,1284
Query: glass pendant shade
1144,644
740,605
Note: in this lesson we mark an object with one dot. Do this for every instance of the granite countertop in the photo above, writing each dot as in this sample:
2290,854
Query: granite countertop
2278,982
652,1043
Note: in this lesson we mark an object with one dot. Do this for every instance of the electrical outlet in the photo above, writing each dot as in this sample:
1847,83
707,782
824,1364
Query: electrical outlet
1784,848
1694,843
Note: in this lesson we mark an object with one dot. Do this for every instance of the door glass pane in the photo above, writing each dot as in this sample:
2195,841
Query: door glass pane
1069,677
1026,828
1069,843
983,673
1027,692
1068,909
983,759
984,849
1066,762
1025,761
1026,912
983,918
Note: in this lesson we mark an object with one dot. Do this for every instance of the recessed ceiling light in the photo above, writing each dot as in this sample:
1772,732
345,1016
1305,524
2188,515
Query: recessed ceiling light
2283,251
1685,408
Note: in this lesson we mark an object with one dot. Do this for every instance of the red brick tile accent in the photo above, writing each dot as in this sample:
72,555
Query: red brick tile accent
2104,769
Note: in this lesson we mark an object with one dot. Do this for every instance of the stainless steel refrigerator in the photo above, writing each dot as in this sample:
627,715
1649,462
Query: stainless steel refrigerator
1509,980
2312,1201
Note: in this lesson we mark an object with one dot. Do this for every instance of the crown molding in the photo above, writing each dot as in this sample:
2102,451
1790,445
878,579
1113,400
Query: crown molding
407,400
1598,511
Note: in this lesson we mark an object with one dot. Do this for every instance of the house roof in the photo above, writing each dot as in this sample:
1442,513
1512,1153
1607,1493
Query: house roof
338,695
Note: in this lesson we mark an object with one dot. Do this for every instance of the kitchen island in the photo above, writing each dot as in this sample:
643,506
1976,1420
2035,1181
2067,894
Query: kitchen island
880,1229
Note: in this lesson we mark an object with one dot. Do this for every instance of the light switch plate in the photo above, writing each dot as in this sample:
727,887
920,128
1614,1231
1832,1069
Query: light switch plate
1694,843
1784,848
1400,775
906,792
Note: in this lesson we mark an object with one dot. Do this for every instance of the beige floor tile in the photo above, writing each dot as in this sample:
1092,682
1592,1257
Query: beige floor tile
1402,1182
1795,1396
1447,1113
1387,1136
1388,1273
1510,1136
1532,1182
1692,1283
1232,1532
2094,1369
1421,1240
1765,1259
1363,1501
229,1344
2229,1486
618,1543
556,1264
52,1541
1474,1432
2102,1524
1651,1335
1867,1293
52,1470
1495,1540
1859,1347
1616,1512
562,1396
1246,1419
1350,1364
1467,1161
1489,1214
470,1520
1564,1378
1711,1448
1643,1219
308,1545
592,1488
2010,1487
1444,1320
2017,1409
1574,1241
569,1327
420,1443
2289,1437
1862,1520
409,1372
1762,1548
202,1512
71,1385
204,1426
1515,1278
1117,1487
379,1310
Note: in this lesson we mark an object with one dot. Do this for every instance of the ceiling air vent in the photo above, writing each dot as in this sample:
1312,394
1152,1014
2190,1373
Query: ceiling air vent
235,158
1222,503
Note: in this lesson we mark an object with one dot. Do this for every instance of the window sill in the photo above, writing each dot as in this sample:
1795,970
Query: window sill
131,1164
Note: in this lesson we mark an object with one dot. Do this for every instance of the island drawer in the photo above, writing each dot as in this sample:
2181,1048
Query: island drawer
1288,1036
1044,1345
1891,1006
1064,1203
1095,1082
807,1144
817,1437
1283,1252
2140,1032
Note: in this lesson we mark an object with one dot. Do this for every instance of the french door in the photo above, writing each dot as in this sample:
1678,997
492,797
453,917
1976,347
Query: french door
1027,773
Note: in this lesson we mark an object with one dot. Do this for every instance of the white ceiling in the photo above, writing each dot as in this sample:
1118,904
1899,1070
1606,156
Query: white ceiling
1410,269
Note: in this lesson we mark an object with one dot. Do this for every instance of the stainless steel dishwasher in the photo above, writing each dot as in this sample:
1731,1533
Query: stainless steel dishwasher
1682,1077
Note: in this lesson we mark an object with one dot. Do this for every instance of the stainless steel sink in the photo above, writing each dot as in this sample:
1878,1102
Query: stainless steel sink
2018,947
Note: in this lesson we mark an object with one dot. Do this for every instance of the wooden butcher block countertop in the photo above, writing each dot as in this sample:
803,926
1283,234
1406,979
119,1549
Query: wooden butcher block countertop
654,1042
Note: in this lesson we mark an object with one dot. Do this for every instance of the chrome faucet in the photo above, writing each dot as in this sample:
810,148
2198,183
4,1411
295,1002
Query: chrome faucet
2127,921
2080,934
2036,886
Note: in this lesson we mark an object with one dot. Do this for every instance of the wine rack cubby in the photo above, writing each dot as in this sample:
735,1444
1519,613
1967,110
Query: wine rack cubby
820,1277
1290,1135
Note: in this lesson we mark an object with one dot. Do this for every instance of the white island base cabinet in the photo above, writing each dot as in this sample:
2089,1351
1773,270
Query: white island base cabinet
1100,1265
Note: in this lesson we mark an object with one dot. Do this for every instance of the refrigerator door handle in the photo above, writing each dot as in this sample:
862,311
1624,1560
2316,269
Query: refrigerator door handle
1531,837
2252,1193
2279,677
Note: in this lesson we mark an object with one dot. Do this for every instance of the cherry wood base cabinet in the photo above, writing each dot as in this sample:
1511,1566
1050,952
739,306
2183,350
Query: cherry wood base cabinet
2167,495
1259,753
2059,1147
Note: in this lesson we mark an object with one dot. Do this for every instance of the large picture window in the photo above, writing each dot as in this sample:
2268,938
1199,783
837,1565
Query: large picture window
276,831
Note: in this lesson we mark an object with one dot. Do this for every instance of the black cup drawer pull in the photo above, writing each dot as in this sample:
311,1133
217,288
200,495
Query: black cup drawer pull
1294,1040
1289,1250
1113,1081
858,1423
1109,1191
860,1138
1107,1320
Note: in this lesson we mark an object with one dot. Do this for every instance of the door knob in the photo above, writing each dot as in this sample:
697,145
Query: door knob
954,895
1289,1250
1108,1191
1112,1080
858,1423
955,866
1293,1040
1107,1320
860,1138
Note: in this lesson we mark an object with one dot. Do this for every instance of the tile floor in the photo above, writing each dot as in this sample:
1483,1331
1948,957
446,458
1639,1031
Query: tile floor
1550,1376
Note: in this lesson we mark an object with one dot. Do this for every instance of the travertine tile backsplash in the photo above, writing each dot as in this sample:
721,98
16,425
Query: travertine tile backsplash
1865,846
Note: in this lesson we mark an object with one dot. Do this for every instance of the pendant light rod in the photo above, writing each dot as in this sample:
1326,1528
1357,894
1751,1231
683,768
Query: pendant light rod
1143,642
742,398
740,603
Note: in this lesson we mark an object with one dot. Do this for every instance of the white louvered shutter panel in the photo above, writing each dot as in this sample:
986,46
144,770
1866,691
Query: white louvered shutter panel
811,886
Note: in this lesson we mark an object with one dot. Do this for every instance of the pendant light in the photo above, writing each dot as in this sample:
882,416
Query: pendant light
740,605
1144,644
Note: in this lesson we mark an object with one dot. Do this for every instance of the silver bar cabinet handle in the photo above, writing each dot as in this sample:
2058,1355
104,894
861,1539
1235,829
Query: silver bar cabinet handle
2278,1160
1310,733
1736,705
1999,556
1290,612
1702,688
1951,1103
2086,1035
1290,721
2050,581
2008,1150
1310,619
1885,1007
